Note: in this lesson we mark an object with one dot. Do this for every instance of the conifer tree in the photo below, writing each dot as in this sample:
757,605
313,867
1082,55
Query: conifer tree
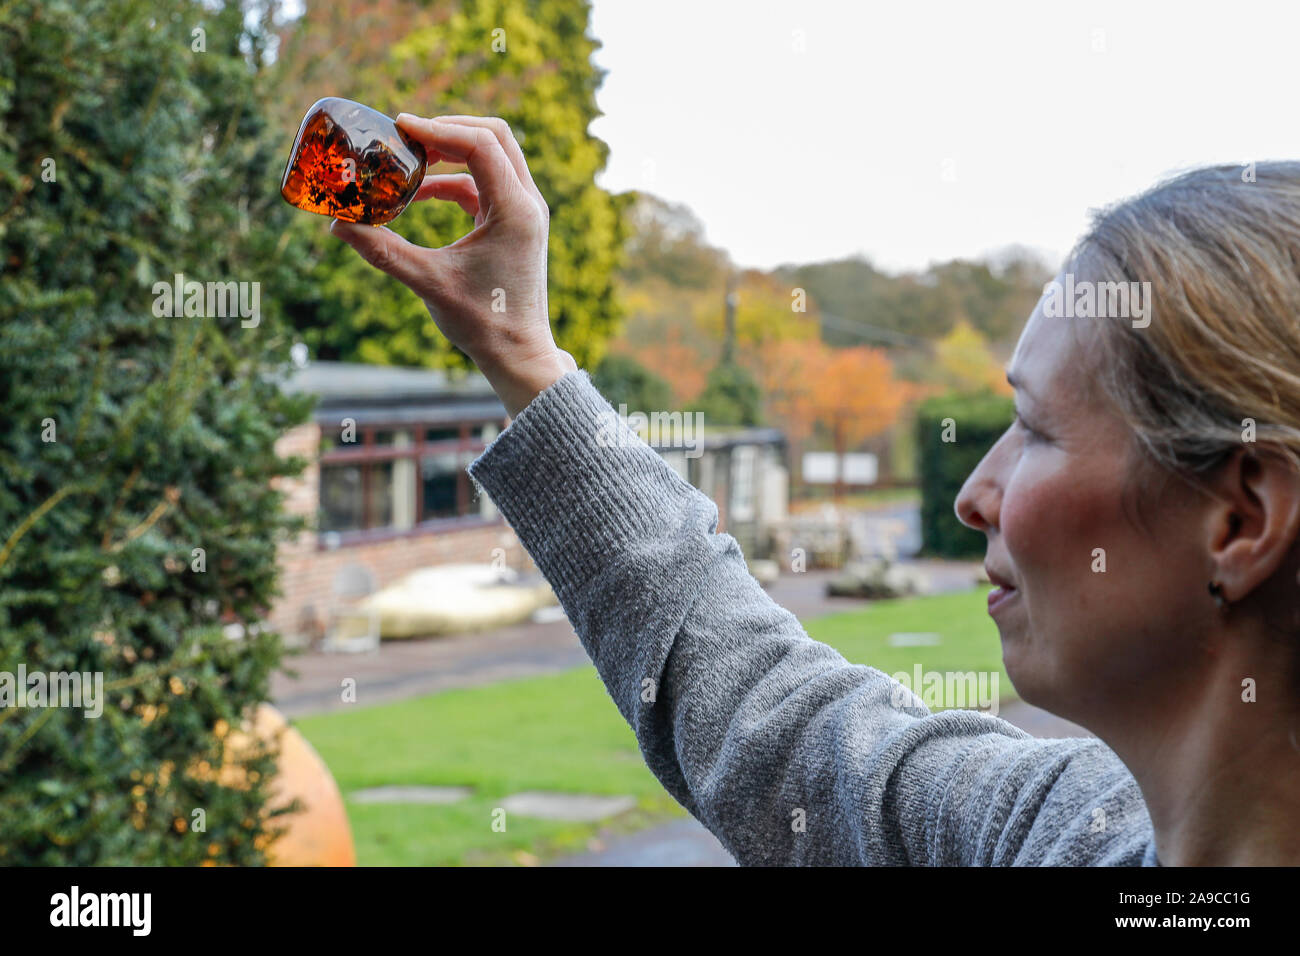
138,515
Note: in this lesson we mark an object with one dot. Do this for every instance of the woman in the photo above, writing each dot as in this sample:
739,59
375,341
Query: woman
1141,516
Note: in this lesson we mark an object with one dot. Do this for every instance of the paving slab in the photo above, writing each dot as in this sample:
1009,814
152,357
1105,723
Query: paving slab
570,807
402,794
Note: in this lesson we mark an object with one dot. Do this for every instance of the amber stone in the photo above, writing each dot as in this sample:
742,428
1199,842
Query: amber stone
351,162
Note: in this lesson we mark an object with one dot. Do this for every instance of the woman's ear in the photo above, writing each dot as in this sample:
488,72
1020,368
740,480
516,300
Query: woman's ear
1254,520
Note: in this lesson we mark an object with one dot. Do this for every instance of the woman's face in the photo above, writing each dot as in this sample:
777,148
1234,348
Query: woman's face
1099,614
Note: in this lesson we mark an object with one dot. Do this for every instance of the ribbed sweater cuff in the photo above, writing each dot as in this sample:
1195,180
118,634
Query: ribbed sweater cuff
576,483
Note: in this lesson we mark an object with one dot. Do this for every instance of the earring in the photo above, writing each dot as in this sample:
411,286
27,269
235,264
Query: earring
1216,592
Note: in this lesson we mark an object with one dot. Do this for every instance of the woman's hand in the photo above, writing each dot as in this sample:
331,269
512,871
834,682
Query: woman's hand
487,290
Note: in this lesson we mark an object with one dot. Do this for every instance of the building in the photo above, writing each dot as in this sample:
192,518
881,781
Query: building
744,471
386,490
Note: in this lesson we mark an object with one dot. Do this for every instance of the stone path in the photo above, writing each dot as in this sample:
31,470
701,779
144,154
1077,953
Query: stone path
412,668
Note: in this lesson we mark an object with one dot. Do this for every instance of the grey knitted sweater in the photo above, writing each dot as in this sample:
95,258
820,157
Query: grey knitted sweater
788,753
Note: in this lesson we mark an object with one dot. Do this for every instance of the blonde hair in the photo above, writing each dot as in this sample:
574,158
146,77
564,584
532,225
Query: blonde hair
1221,251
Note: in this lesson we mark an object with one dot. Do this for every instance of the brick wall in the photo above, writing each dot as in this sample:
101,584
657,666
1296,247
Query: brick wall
307,573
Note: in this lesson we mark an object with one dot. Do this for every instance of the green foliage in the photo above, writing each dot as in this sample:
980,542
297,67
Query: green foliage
731,397
624,380
163,428
542,83
977,422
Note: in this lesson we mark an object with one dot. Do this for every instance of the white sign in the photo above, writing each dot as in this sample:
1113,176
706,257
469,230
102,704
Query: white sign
819,468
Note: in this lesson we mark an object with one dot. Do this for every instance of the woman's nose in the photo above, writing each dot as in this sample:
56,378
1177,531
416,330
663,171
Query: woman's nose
980,496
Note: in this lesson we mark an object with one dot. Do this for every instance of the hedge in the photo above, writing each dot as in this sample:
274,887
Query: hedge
976,423
138,513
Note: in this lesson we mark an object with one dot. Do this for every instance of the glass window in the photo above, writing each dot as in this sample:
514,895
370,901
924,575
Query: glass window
393,438
340,498
442,434
440,482
742,483
381,494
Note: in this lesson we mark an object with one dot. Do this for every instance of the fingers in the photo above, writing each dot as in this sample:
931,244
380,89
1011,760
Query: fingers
389,252
484,143
506,137
456,187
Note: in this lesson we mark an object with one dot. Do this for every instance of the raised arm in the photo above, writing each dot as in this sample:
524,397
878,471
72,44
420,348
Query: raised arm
787,752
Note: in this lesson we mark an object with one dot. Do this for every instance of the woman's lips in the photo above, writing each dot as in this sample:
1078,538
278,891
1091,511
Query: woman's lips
999,597
1003,591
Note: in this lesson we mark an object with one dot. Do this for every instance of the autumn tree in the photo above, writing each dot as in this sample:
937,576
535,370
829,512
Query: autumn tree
855,397
963,363
768,310
678,329
784,372
847,395
663,334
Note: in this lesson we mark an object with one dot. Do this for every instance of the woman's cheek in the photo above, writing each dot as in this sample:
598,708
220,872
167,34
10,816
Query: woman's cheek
1044,512
1022,518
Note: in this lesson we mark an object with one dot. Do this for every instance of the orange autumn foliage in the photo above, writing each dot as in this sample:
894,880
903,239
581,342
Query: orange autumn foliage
675,357
851,392
856,396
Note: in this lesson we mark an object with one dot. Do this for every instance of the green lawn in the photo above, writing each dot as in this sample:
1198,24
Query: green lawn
562,732
969,636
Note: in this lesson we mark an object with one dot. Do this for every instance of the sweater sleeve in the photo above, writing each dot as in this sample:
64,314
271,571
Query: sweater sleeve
788,753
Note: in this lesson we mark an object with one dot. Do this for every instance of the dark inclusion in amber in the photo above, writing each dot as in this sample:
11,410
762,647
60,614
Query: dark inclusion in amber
352,163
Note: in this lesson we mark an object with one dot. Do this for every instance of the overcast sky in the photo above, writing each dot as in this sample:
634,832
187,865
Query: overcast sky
917,132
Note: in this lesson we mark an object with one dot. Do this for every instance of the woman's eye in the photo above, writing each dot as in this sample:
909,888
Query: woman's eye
1034,435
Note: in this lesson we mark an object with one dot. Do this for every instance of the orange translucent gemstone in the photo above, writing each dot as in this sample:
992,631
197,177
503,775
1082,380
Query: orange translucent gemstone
351,162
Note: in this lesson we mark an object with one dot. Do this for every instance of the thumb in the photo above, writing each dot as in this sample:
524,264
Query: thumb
388,252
